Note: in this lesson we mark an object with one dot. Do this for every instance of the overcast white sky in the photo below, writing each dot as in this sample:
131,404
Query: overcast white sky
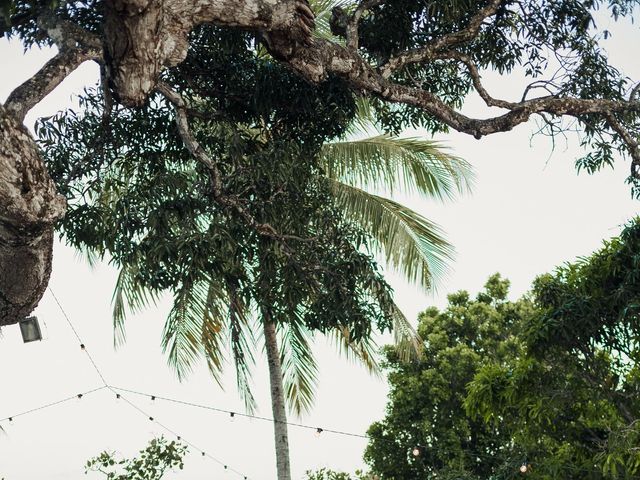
529,212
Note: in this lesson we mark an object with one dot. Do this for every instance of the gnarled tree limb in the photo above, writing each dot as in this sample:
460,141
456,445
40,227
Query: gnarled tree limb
142,36
29,207
29,202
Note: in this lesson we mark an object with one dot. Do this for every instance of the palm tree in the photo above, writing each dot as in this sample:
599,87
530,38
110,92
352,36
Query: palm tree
206,316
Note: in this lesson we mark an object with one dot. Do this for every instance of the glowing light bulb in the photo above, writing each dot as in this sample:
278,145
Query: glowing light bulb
415,452
523,468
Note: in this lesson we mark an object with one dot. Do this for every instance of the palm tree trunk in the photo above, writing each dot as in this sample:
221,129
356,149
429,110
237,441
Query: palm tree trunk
277,398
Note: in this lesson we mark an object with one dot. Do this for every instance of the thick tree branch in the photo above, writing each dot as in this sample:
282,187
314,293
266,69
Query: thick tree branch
142,36
317,61
75,47
354,21
631,143
448,41
29,201
31,92
29,207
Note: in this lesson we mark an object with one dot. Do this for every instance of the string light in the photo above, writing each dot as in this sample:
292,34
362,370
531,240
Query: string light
118,395
416,451
318,431
233,415
524,467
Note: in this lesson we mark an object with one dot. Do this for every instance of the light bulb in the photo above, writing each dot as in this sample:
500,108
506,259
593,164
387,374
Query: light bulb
318,431
523,468
232,416
416,451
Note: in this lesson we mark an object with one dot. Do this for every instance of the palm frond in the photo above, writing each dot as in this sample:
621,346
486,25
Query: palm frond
410,243
213,328
363,350
408,343
241,339
392,163
299,367
128,295
193,328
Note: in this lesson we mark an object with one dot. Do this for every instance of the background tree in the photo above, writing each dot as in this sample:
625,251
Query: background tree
549,381
157,459
426,432
572,402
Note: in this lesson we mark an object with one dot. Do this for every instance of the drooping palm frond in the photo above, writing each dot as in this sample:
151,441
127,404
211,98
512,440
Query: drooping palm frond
392,163
408,343
363,350
241,339
194,328
299,367
410,243
128,295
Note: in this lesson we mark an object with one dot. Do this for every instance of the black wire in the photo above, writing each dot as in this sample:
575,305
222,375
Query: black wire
247,415
172,432
106,385
82,345
52,404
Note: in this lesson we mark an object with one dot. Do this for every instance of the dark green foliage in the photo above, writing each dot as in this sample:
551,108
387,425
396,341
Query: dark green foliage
225,71
551,380
153,463
426,402
594,303
138,196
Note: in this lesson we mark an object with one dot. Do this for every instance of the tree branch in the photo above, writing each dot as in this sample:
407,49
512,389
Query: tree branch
426,53
142,37
32,91
632,144
194,147
75,46
354,21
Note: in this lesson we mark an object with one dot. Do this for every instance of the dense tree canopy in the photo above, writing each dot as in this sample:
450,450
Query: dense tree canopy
423,57
549,381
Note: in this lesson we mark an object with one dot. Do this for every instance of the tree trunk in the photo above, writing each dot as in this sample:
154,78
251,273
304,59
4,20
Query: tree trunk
277,399
29,207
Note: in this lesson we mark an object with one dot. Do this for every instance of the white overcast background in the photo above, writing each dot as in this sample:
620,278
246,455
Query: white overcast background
528,213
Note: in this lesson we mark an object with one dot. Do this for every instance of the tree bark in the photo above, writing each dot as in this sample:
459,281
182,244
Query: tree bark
277,398
142,37
29,207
